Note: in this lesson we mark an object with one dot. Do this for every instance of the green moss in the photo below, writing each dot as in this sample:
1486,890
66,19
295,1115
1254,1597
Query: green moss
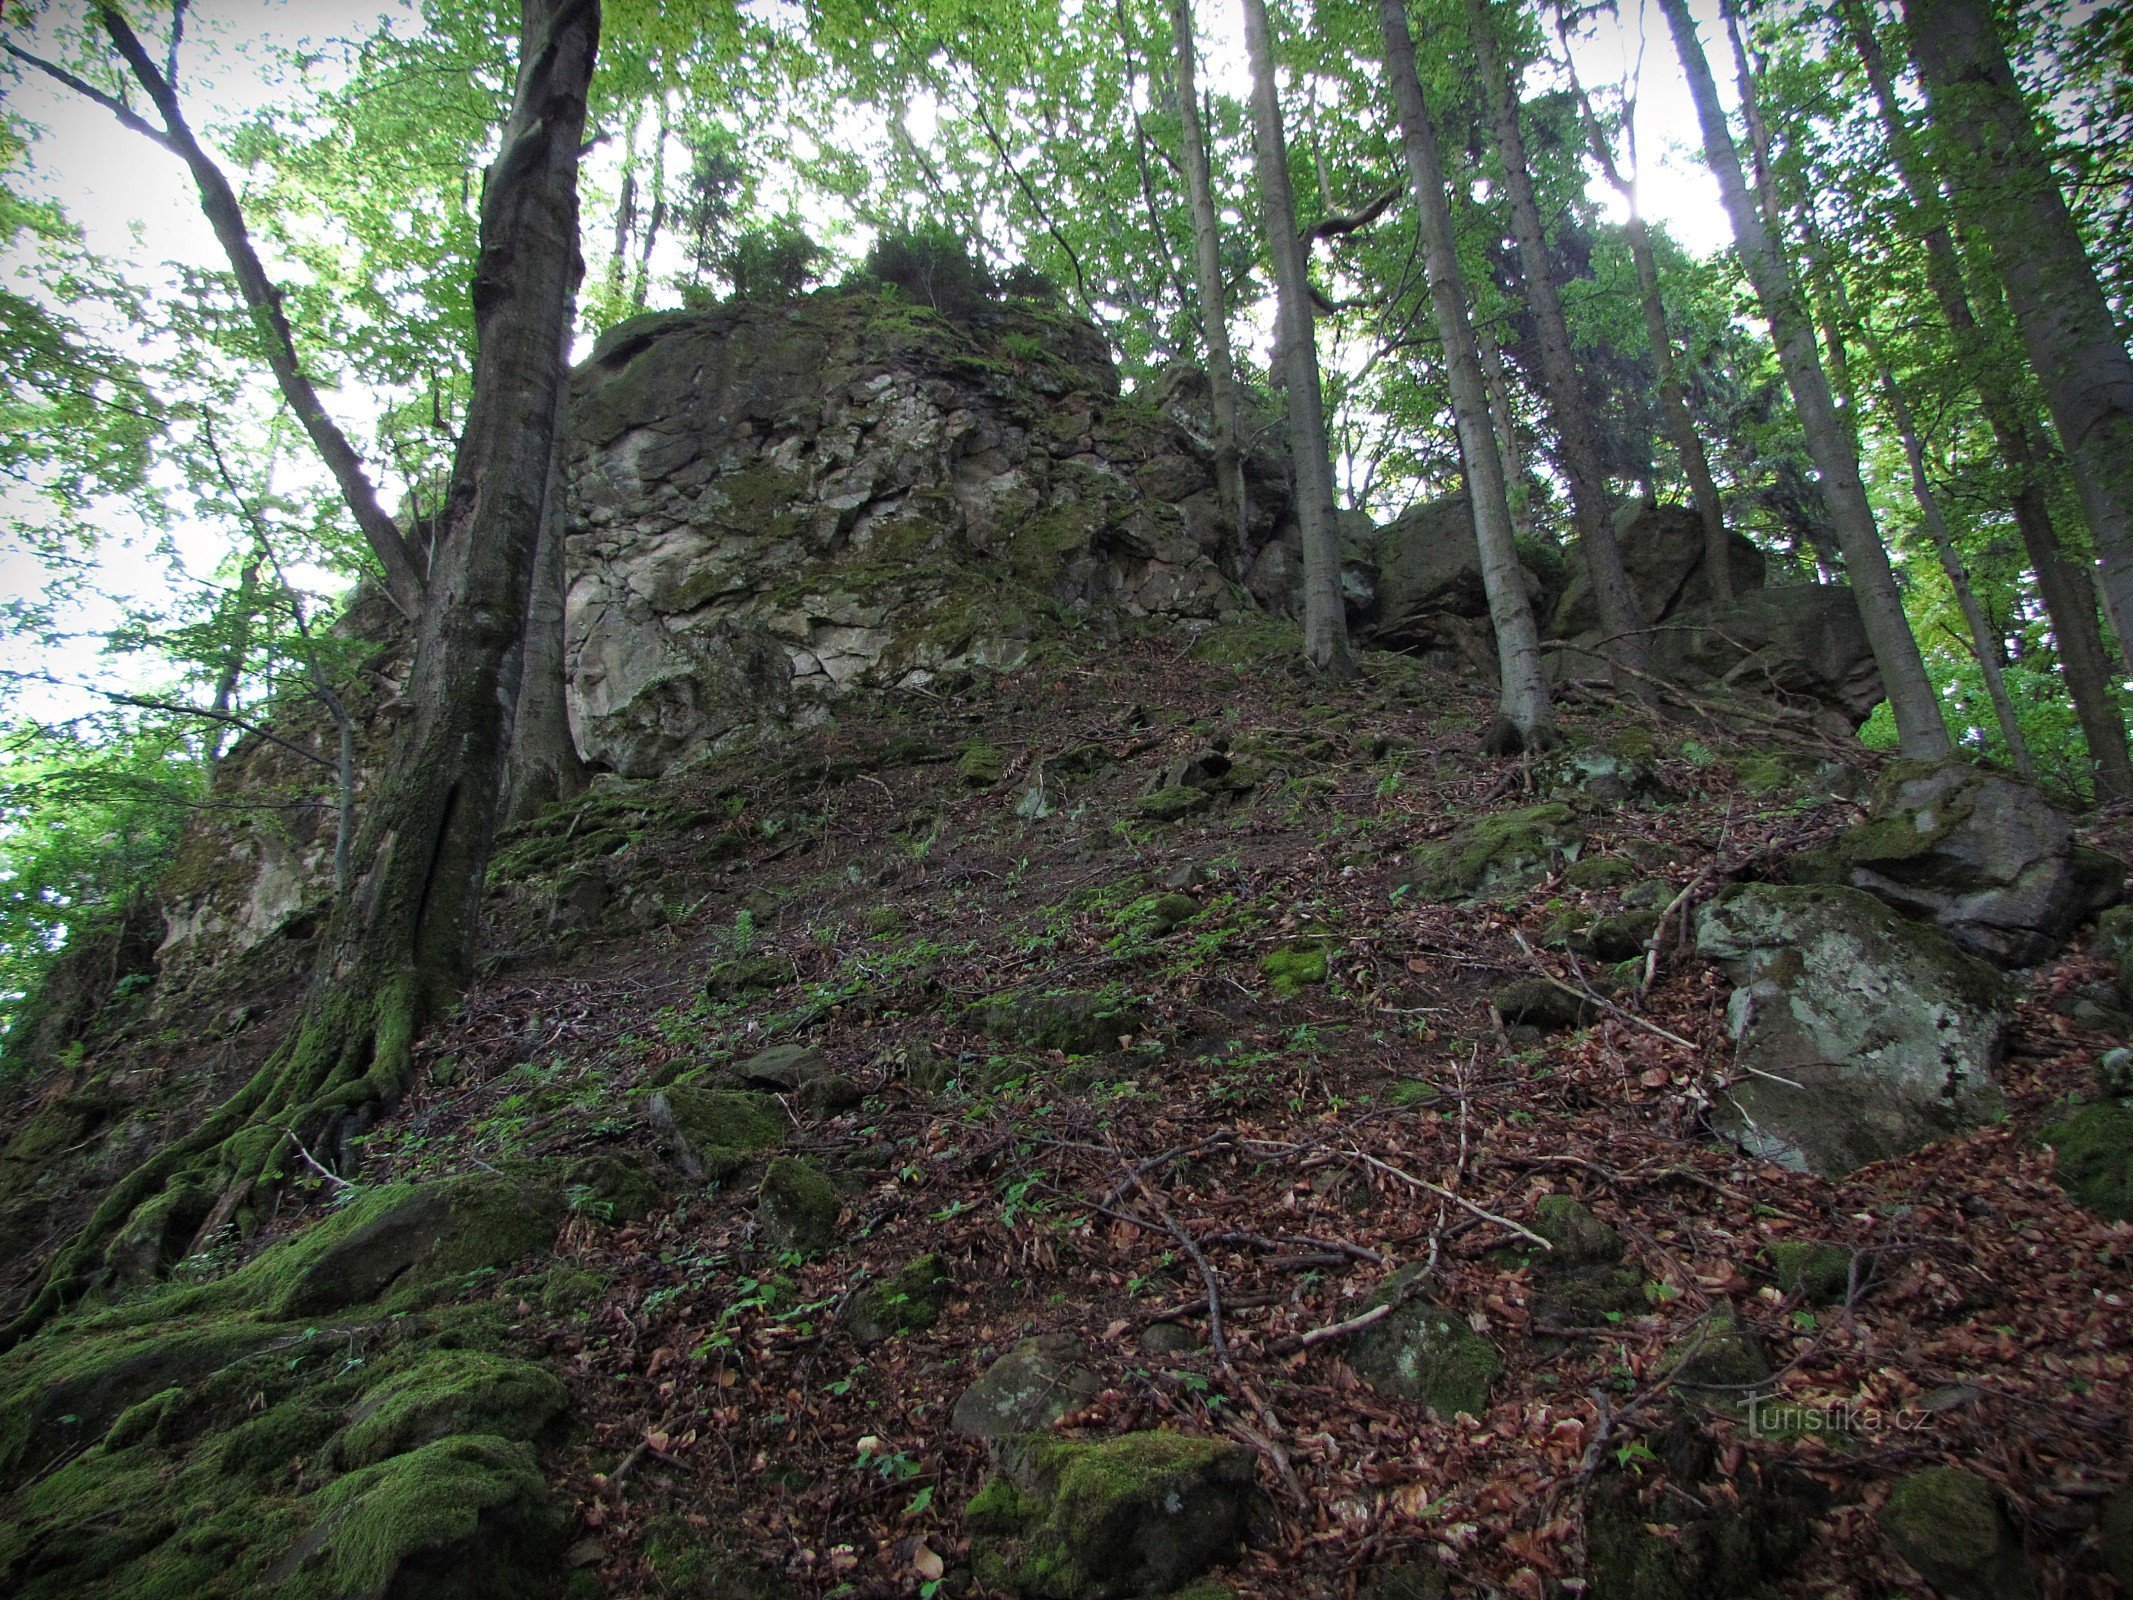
1168,805
1580,1238
980,766
747,975
452,1392
1719,1353
691,1564
1764,774
470,1497
722,1128
997,1508
797,1209
568,1290
909,1302
1949,1525
260,1449
2095,1150
1075,1021
1249,642
1632,744
1819,1272
1598,872
1290,972
1491,854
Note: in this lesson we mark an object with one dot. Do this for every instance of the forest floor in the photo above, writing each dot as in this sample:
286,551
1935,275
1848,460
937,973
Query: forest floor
1247,1166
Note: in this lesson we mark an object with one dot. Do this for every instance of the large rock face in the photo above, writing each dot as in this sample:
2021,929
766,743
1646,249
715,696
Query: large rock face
1863,1034
772,504
1662,548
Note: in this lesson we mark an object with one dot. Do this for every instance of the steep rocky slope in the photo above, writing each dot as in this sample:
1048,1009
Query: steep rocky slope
1106,1114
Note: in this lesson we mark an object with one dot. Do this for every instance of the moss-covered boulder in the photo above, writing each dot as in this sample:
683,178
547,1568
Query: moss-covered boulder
1576,1237
157,1233
796,1207
1669,1526
909,1302
1580,1283
1424,1351
1075,1021
1290,971
1169,804
1599,774
466,1518
1814,1271
1719,1354
711,1133
1951,1527
1599,872
404,1240
1138,1514
1498,853
1984,857
449,1392
1038,1381
1862,1034
2095,1151
741,977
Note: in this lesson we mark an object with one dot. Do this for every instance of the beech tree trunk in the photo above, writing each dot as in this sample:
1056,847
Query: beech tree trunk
1526,719
1673,398
544,764
1620,616
1516,494
1325,612
1920,729
2003,186
1207,278
400,945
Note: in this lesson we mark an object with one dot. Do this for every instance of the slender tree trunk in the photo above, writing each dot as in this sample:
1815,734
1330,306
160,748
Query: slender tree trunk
1919,726
1620,616
2068,596
1526,721
2002,181
1517,494
1207,277
655,219
1987,648
1673,398
1158,234
1325,612
544,765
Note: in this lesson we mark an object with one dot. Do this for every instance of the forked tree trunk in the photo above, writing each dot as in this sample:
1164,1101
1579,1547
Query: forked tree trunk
1516,494
2069,600
1620,616
1325,612
1214,297
1526,720
400,945
1920,729
2005,190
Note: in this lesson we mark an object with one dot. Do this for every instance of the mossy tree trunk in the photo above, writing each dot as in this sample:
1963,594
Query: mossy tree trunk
1325,612
401,942
1526,720
1620,616
1920,729
545,765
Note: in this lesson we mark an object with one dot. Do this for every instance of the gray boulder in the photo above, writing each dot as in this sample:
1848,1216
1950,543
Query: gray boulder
1863,1034
1026,1390
1428,567
1802,645
1662,548
1983,857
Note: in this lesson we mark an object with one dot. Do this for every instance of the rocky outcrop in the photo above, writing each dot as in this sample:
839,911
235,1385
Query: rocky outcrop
775,504
1984,858
1862,1034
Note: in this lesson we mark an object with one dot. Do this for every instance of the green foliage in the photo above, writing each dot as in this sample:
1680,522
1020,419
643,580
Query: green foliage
932,265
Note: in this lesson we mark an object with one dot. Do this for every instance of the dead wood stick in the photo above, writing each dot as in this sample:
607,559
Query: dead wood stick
1443,1193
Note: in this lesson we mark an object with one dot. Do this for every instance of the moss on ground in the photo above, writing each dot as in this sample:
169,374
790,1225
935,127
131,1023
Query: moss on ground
449,1392
1496,853
2095,1150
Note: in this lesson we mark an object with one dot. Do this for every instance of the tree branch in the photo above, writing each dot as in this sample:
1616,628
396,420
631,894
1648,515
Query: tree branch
263,299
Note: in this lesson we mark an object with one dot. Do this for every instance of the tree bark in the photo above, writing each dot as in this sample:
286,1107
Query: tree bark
1325,612
1919,726
1517,495
400,945
2002,180
1526,720
1620,616
262,298
1214,297
2068,595
544,764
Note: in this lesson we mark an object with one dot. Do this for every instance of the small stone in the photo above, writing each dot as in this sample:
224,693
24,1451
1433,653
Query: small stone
980,766
1950,1526
1539,1003
1168,805
1580,1238
1168,1339
750,975
1167,911
1621,937
2114,1073
784,1067
909,1302
1598,872
1498,853
1182,875
796,1207
1078,1022
1816,1272
1425,1352
1026,1390
1721,1353
712,1132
